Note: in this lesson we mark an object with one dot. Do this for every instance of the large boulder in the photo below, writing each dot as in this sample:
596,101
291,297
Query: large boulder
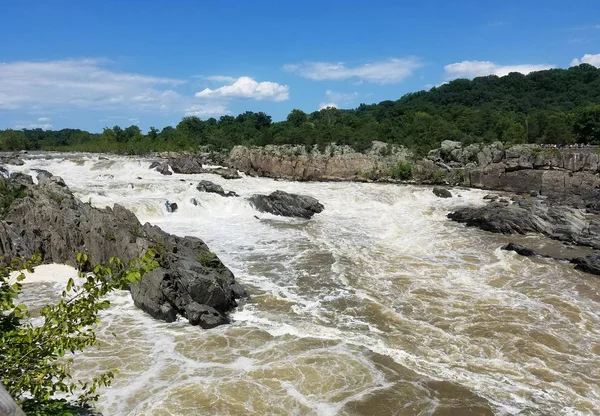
210,187
287,205
186,163
442,192
529,215
47,219
161,167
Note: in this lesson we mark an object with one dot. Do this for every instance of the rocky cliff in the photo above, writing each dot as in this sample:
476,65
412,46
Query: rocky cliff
334,163
568,175
46,218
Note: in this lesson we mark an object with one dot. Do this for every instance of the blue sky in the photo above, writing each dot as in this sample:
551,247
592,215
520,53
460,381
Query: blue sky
92,64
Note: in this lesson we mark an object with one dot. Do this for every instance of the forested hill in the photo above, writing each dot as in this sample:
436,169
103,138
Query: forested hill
552,106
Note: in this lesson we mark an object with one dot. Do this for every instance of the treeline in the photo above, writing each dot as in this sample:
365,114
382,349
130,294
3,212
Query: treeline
559,106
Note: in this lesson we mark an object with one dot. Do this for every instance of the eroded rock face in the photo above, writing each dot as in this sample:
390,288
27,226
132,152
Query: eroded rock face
186,163
333,163
46,218
527,215
287,205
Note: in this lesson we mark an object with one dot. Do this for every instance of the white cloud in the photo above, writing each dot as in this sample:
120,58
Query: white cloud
248,88
382,72
472,69
206,110
587,59
81,83
32,126
44,119
323,106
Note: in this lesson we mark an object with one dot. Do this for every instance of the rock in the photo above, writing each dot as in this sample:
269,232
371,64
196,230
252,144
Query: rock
333,163
57,180
103,158
491,197
226,173
161,167
4,172
519,249
448,146
171,206
588,264
208,186
13,160
49,220
287,205
195,202
186,163
42,175
532,216
203,315
442,193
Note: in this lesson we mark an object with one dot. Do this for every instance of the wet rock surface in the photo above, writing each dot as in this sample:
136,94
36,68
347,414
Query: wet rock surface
47,219
210,187
287,205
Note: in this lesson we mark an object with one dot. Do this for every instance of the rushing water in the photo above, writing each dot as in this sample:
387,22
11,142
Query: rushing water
377,306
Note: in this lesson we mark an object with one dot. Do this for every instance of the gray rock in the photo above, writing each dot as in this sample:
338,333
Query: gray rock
203,315
210,187
43,175
287,205
4,172
448,146
442,193
532,216
186,163
588,264
49,220
520,249
171,206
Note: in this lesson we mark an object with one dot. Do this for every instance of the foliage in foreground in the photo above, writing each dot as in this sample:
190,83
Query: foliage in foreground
37,349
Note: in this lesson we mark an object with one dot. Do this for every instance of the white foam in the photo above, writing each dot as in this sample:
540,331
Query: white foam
48,273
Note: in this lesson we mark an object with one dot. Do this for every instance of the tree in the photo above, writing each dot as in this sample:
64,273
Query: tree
297,117
587,125
35,358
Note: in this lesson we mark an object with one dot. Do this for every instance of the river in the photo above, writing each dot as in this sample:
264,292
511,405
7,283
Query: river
379,305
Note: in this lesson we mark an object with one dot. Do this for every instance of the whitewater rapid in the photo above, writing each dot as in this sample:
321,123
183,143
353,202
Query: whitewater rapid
379,305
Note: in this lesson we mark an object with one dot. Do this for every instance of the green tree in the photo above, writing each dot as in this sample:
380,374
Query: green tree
36,358
587,124
297,117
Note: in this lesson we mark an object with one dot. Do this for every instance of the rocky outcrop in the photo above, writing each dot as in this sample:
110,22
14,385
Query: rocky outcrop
570,176
287,205
11,159
46,218
161,167
529,215
442,192
590,263
208,186
186,163
333,163
225,173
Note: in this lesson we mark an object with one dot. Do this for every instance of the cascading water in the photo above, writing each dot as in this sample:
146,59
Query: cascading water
379,305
